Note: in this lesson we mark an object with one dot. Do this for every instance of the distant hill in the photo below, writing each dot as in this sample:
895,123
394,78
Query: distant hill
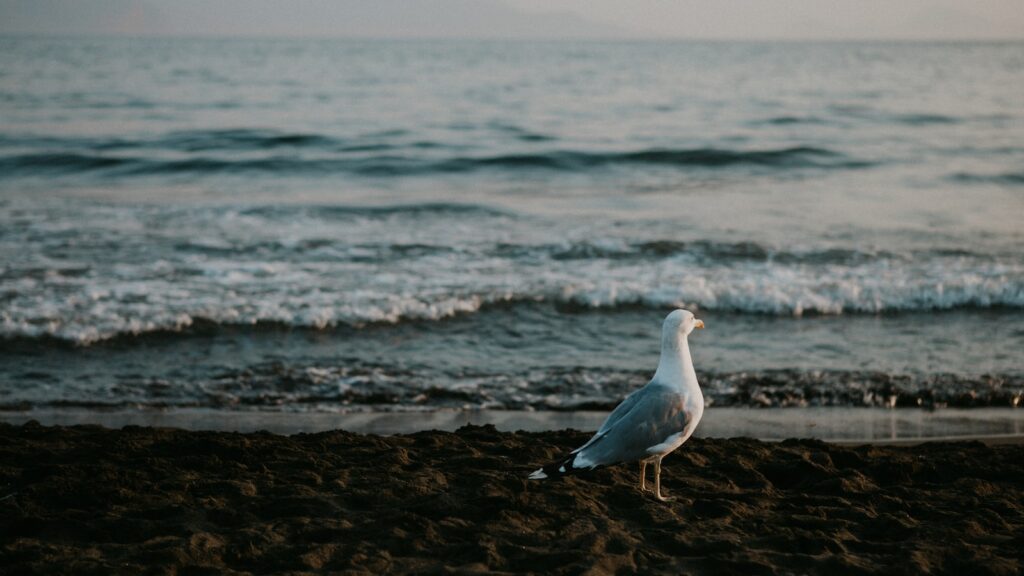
333,18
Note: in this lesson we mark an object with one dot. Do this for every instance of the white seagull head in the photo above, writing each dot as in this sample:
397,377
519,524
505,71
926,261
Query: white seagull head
681,322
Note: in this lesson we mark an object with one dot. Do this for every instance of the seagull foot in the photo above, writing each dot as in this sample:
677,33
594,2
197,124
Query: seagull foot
664,498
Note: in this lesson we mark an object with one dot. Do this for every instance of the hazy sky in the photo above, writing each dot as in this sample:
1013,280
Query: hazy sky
727,19
793,19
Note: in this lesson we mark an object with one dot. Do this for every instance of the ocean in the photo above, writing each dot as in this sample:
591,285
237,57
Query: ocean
361,226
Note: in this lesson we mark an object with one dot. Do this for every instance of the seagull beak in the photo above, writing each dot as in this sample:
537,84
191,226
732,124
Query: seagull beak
698,324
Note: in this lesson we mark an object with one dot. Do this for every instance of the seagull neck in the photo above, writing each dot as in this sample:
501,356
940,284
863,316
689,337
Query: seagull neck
675,366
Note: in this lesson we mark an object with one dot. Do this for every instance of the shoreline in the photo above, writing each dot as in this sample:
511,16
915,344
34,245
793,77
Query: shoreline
837,425
87,499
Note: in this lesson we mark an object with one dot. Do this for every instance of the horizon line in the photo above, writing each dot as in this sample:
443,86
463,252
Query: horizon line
544,38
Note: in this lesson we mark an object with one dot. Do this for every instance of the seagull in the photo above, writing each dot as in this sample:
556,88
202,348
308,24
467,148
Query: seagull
652,421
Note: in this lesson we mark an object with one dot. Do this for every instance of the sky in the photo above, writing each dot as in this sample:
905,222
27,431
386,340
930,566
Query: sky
633,19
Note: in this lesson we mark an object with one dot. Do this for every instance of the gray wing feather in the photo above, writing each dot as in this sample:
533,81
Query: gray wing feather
653,415
621,410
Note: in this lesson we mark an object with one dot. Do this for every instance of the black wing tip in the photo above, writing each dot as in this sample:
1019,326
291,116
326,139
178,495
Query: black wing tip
561,467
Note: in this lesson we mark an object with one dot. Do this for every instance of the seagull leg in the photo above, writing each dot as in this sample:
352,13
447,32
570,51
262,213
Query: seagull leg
657,482
643,476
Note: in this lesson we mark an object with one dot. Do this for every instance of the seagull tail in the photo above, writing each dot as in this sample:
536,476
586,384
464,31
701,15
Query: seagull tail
560,467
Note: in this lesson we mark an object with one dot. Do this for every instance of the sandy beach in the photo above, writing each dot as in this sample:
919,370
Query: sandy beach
92,500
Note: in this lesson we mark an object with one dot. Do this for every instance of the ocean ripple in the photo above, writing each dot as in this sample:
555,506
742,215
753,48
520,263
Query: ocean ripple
392,163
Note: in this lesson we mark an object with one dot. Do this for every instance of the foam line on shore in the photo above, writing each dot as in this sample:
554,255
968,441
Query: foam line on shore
844,425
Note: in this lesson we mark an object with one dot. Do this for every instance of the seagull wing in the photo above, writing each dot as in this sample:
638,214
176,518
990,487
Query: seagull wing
655,419
647,423
621,410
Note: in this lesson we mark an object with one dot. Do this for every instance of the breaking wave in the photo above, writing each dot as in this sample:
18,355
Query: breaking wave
101,313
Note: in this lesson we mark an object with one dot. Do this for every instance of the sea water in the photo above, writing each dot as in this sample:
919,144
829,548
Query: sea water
409,225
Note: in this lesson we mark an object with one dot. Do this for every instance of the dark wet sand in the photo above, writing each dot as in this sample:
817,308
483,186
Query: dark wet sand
90,500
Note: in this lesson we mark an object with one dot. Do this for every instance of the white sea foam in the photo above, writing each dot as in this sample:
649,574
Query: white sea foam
139,298
87,271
